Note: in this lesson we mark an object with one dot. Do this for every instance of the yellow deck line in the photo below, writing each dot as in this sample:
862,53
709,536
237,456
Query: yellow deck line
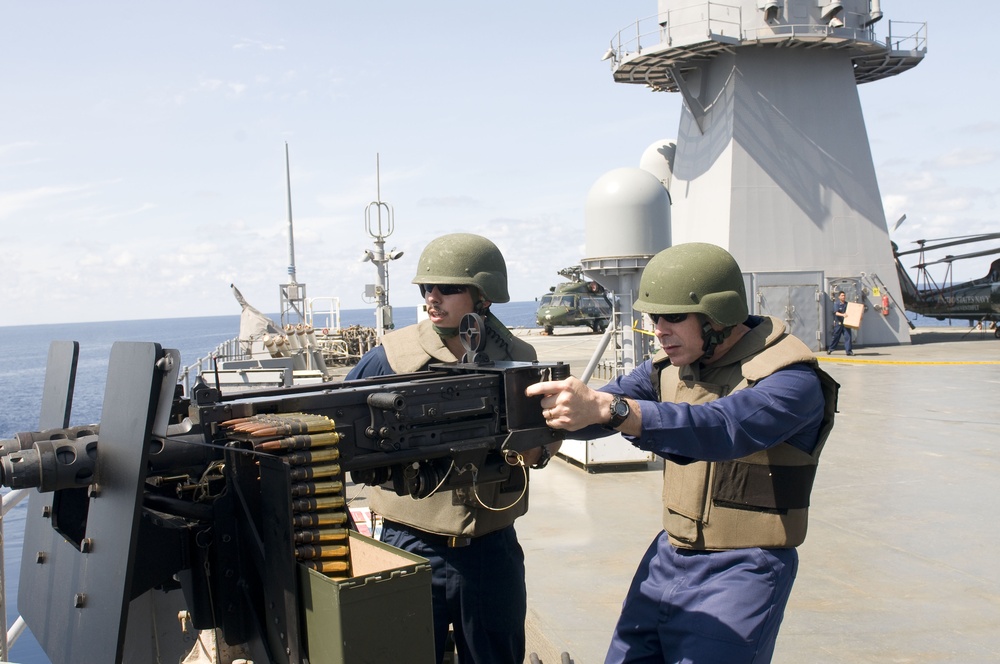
858,360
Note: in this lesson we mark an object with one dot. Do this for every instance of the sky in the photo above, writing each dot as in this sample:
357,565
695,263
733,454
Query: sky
142,145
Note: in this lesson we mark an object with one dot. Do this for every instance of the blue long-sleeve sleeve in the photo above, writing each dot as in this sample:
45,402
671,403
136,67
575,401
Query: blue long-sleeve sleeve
785,406
372,363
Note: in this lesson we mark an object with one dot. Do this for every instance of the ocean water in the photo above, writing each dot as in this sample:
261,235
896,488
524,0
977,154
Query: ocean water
23,354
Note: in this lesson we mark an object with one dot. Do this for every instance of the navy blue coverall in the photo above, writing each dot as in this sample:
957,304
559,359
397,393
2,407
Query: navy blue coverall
713,606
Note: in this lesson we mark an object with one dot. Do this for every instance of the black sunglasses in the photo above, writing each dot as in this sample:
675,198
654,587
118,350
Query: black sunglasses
670,318
444,289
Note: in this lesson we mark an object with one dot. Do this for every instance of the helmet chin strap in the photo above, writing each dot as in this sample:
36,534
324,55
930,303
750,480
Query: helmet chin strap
711,337
446,332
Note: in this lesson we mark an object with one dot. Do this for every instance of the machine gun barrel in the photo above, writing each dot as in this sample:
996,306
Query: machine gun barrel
50,464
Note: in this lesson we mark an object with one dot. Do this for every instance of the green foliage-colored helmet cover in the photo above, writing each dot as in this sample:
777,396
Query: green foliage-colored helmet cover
466,259
694,277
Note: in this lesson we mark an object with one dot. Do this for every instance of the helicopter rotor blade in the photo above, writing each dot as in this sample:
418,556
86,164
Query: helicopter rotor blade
982,237
974,254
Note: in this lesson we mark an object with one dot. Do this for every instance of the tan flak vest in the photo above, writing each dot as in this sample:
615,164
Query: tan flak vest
456,512
761,500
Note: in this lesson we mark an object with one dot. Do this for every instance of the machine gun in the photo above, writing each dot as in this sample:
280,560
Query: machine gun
208,505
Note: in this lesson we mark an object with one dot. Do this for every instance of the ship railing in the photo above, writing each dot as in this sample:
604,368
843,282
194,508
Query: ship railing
320,317
231,349
338,347
907,36
9,635
718,21
712,18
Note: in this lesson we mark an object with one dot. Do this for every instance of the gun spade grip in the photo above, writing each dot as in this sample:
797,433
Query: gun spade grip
560,371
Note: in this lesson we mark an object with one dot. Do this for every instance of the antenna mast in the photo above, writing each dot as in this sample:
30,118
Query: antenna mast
379,230
293,294
291,236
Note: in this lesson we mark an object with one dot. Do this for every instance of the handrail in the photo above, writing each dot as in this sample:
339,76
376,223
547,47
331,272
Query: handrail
918,36
229,349
12,498
9,635
659,28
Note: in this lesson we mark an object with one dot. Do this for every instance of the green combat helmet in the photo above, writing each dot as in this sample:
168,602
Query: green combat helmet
694,277
464,259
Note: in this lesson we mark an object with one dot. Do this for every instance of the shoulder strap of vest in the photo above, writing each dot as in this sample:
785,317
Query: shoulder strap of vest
664,376
782,350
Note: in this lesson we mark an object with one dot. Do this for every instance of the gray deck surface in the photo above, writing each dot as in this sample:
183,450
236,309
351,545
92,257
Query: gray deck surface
902,560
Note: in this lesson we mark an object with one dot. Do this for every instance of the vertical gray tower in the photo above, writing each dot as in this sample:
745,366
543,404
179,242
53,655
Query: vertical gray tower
772,160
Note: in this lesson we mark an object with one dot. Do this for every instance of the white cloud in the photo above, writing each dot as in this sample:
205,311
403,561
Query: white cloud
210,84
965,157
9,148
18,201
246,43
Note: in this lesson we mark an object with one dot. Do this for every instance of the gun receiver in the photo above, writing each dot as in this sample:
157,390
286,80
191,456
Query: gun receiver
472,414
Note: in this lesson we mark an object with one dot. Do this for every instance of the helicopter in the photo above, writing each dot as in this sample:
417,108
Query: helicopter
976,301
576,302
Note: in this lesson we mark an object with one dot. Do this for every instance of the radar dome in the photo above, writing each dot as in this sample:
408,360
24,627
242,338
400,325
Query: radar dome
627,213
658,159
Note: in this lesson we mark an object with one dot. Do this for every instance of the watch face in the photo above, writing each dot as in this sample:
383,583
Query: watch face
619,412
619,407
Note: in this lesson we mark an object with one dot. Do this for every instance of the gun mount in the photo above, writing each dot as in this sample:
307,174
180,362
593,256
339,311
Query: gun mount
208,506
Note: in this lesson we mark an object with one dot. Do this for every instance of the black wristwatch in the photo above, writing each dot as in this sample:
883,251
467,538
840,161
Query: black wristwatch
619,412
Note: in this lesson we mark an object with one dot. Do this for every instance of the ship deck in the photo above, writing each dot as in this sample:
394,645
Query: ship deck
900,564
